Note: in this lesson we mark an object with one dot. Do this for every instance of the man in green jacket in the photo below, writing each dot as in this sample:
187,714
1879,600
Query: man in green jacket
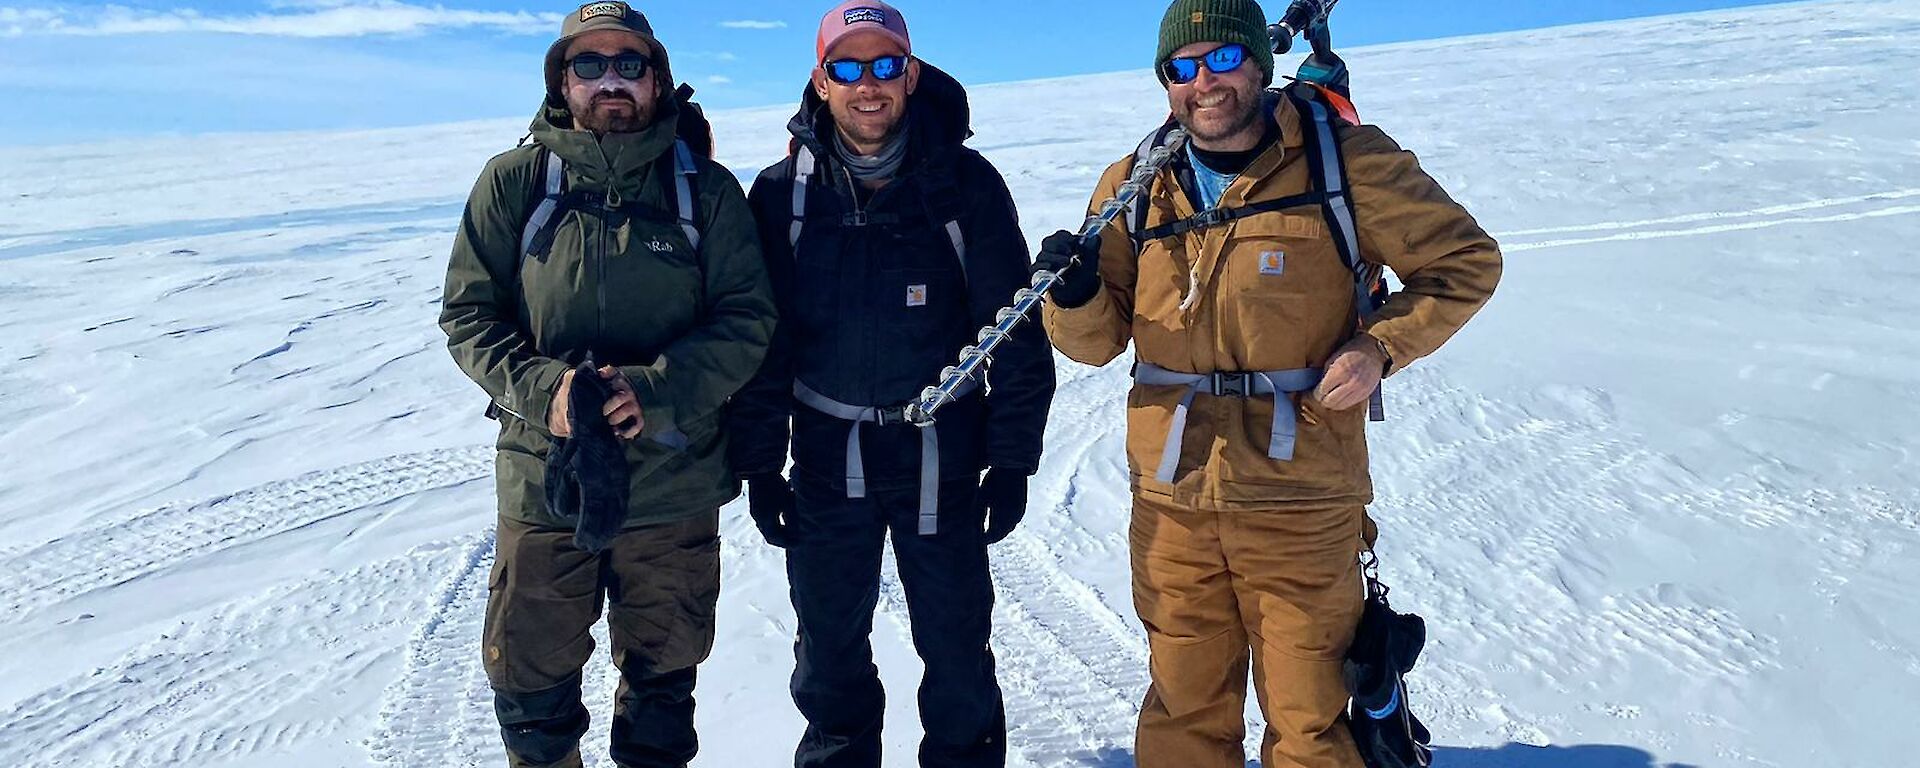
607,240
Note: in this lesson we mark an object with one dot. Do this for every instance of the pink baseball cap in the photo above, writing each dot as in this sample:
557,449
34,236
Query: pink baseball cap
856,16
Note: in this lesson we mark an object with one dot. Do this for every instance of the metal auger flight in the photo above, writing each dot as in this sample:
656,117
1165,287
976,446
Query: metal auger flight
975,359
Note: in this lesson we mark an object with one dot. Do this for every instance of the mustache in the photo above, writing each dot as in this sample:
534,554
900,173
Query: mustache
612,96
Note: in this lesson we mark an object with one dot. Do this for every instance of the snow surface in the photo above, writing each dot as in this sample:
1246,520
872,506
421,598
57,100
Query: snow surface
1657,503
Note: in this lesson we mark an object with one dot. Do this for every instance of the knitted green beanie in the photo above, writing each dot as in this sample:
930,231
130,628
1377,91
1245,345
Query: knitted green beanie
1217,21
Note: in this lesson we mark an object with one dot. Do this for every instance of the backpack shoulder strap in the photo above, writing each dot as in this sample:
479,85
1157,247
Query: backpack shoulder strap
1328,172
1328,175
684,173
941,197
804,164
539,227
1136,208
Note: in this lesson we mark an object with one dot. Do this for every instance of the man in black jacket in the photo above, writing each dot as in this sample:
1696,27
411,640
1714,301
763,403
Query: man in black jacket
889,245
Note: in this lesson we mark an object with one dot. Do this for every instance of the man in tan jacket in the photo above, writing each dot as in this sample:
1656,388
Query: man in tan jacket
1255,358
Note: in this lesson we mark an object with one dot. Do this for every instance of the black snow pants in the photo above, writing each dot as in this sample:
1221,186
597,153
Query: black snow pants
833,566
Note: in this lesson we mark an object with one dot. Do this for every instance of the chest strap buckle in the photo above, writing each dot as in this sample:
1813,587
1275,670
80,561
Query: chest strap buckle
1231,385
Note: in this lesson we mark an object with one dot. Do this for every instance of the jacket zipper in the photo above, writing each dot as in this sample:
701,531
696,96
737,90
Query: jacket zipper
609,202
608,206
872,333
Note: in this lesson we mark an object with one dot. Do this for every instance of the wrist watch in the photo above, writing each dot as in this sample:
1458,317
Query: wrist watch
1384,354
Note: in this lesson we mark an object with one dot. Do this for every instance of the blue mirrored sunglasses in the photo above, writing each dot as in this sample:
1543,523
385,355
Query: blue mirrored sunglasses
1219,61
849,71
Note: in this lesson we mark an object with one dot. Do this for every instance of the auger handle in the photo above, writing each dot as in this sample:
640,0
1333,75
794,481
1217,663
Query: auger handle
1300,17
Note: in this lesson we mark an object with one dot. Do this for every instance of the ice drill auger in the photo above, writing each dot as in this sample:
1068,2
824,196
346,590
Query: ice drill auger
975,359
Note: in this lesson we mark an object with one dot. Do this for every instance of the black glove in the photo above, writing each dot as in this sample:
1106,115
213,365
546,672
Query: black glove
1385,647
1001,501
770,500
587,474
1078,282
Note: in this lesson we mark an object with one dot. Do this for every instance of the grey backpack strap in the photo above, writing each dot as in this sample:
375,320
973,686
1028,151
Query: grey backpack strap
1329,173
803,166
1137,208
683,172
959,241
543,213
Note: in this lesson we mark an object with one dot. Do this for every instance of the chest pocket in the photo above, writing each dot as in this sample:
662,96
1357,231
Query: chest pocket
1285,296
652,279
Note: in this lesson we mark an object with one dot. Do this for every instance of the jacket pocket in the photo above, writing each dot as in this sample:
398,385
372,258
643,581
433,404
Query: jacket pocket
920,313
1285,298
1328,456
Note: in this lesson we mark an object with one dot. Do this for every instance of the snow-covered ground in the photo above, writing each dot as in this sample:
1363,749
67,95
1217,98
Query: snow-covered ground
1657,503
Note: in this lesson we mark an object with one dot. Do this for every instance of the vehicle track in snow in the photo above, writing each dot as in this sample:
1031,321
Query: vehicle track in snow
1766,217
241,682
439,709
112,552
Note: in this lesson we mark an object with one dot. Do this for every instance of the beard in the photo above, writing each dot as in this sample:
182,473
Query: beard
1242,108
614,112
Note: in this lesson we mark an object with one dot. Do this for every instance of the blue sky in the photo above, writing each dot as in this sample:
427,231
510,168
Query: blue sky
76,72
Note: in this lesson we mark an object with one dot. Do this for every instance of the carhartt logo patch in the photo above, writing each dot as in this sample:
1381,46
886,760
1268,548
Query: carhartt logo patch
858,15
1199,17
916,295
1273,263
616,10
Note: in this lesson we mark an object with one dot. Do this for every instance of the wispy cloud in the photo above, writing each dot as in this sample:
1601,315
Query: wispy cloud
719,79
753,24
324,18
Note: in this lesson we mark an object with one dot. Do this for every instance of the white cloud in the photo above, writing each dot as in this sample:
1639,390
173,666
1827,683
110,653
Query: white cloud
753,24
719,79
311,19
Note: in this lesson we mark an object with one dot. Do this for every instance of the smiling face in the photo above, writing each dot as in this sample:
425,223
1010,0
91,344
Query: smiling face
610,103
868,113
1221,112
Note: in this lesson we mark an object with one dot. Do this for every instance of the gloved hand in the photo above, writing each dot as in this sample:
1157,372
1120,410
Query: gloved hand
770,501
1001,501
587,473
1078,282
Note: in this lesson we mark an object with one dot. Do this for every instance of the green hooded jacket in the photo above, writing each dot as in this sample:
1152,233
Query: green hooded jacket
621,282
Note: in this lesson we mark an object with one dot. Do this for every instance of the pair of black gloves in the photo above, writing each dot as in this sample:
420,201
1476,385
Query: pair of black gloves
1001,502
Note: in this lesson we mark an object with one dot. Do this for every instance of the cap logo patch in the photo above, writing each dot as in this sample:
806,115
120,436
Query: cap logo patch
858,15
1199,17
614,9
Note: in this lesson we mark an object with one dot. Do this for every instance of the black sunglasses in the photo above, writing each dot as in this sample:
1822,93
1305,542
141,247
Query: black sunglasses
593,66
849,71
1219,61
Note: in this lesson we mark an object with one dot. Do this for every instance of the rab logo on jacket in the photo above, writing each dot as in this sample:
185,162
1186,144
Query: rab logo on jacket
1273,263
659,246
916,295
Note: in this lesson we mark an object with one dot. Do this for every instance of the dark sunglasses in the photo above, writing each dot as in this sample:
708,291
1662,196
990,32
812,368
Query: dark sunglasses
1219,61
848,71
593,66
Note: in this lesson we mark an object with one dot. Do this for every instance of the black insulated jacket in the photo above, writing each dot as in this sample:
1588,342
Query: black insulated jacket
874,301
